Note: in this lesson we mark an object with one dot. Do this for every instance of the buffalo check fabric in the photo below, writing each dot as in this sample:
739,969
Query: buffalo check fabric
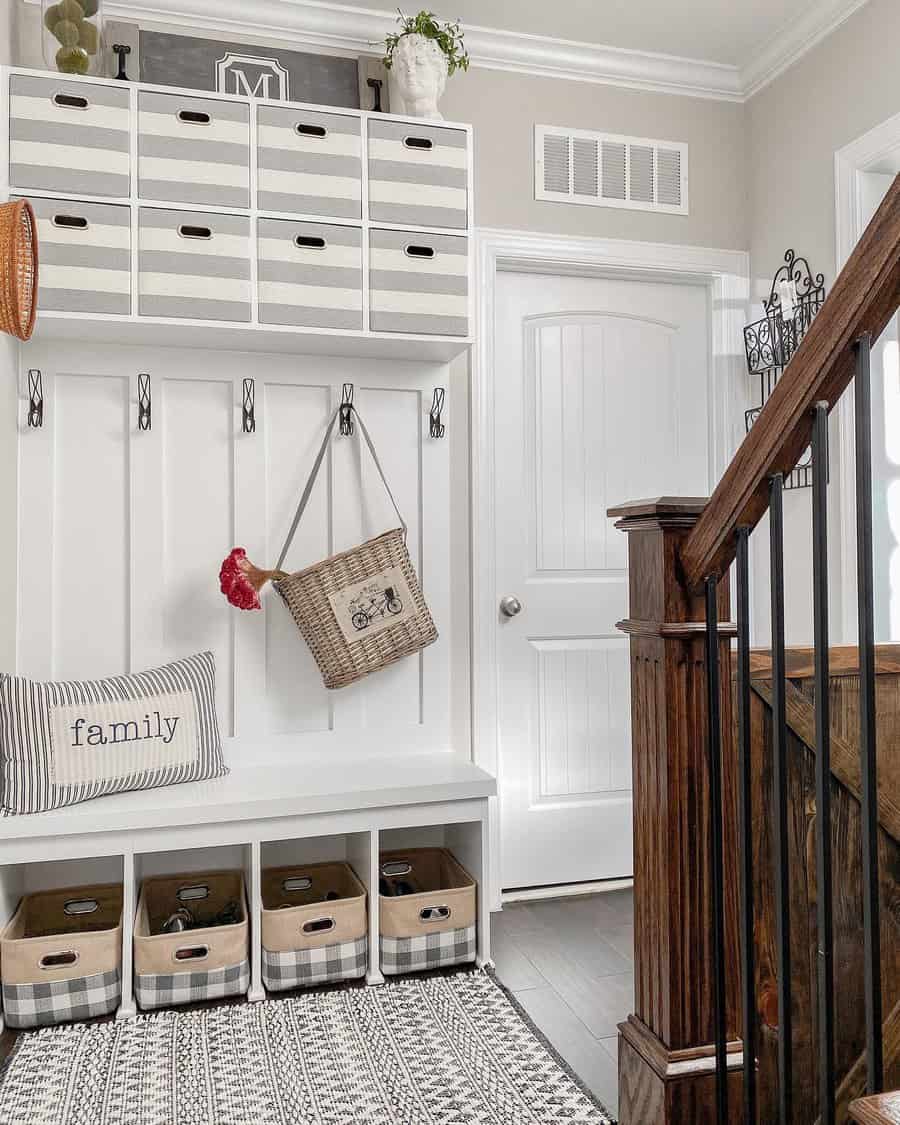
162,990
344,960
452,1047
69,741
50,1002
427,951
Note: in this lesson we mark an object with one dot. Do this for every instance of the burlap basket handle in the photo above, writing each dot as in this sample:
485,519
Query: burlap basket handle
317,464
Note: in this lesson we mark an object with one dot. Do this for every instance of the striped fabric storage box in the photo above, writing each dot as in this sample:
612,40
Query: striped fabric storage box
193,150
418,283
85,256
309,163
310,274
418,174
68,136
194,264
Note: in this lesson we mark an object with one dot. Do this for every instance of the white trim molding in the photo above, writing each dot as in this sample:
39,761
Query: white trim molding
794,40
726,273
866,154
362,30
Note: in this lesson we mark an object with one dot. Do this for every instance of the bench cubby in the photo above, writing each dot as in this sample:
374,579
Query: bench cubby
254,818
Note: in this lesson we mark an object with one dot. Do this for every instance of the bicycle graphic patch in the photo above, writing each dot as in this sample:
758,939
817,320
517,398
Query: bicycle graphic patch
367,608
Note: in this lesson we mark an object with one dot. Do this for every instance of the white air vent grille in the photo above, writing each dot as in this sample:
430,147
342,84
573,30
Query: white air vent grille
575,166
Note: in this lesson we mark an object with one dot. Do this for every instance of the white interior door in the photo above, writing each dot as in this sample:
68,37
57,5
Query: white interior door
602,393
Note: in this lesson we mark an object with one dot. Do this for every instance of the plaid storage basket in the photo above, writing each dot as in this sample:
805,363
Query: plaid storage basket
428,915
61,956
362,609
206,963
314,925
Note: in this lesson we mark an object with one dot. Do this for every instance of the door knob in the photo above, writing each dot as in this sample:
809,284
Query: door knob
510,606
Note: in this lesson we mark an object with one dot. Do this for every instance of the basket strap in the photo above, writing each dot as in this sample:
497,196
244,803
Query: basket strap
317,464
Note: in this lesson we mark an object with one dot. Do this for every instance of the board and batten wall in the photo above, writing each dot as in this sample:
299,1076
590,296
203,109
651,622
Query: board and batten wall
839,90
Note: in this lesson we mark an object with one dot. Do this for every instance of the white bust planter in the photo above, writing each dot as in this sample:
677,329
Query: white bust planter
419,72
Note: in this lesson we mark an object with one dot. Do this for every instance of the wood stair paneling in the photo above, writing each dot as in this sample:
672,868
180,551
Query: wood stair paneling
883,1109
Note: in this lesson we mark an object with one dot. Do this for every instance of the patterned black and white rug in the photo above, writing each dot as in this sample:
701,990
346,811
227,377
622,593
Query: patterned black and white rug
443,1050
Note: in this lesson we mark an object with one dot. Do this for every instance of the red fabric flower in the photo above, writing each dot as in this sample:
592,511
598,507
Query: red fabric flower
240,581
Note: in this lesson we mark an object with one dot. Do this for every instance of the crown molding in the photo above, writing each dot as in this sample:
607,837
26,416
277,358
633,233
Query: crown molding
335,27
362,31
793,41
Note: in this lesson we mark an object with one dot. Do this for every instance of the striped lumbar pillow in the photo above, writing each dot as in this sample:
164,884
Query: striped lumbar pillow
65,742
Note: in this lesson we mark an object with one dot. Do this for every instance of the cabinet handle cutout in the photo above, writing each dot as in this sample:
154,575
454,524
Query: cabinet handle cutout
307,241
298,883
73,222
318,926
191,894
423,143
194,232
420,251
70,101
81,906
396,867
310,130
193,117
192,953
434,913
55,960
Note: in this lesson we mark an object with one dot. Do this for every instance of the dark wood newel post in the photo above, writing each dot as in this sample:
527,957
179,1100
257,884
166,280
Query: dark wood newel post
666,1065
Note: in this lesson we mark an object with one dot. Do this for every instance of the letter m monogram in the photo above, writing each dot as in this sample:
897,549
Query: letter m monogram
253,76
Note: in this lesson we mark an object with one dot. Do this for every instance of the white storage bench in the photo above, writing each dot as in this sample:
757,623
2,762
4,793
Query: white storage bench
291,813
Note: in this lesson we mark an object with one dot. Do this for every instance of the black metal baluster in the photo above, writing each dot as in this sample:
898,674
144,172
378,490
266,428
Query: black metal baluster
780,801
714,745
825,927
869,799
745,827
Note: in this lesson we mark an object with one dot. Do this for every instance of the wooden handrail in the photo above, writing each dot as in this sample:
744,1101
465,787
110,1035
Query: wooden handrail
865,296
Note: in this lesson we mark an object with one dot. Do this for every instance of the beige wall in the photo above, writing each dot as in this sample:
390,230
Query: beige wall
504,107
845,86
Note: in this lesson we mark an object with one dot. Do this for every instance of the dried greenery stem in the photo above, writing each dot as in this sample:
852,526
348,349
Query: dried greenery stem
447,35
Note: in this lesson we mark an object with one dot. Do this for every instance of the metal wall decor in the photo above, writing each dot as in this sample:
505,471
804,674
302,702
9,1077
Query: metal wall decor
248,409
794,299
145,404
437,428
346,419
35,399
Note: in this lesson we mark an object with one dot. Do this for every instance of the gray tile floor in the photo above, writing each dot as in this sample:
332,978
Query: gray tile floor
570,964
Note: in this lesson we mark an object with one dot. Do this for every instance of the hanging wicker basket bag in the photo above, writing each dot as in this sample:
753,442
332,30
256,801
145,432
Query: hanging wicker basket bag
19,265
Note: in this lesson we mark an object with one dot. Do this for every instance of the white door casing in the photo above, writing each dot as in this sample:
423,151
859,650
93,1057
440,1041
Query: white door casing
596,405
725,277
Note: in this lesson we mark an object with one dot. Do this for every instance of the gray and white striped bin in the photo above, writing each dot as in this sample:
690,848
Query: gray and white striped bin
68,136
418,283
193,150
310,274
194,264
418,174
85,256
309,163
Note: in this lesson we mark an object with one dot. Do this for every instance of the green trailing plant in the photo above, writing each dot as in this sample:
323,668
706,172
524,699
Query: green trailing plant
448,36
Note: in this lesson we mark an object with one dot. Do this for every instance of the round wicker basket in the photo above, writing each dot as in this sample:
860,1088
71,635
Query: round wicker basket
18,268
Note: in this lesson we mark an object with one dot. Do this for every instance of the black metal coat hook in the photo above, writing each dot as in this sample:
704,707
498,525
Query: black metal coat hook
144,403
346,422
437,428
35,399
122,51
248,419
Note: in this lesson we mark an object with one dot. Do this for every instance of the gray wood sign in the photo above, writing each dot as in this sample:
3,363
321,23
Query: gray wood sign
240,68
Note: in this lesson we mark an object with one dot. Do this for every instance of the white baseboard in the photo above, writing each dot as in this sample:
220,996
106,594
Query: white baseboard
566,890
